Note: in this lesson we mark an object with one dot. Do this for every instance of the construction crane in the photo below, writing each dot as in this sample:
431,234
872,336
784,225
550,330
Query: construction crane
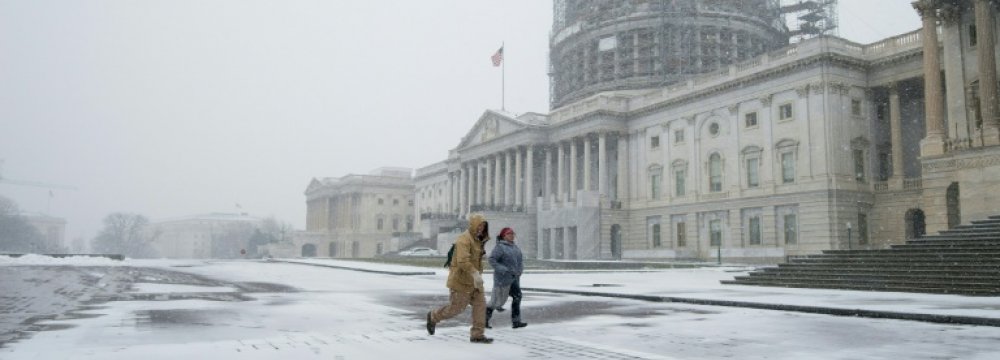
4,180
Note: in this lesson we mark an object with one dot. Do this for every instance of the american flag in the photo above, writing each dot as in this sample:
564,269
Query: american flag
497,57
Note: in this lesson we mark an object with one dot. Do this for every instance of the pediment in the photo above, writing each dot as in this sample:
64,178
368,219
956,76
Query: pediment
491,125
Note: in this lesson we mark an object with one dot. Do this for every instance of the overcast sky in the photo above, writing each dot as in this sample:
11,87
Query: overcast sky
181,107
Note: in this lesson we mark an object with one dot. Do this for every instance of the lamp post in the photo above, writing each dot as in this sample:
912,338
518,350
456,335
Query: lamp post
848,235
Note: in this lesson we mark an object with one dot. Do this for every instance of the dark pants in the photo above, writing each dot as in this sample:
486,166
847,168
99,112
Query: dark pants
515,308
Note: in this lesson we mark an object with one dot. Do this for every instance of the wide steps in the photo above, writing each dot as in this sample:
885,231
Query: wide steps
962,260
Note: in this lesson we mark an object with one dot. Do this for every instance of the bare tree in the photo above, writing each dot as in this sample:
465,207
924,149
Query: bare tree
16,234
127,234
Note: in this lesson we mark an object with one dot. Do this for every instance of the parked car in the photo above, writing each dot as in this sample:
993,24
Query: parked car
419,251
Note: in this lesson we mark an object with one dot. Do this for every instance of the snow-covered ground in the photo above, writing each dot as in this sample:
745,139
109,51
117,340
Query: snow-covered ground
166,309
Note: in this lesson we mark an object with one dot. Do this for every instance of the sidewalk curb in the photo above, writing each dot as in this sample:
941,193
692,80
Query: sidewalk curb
403,273
876,314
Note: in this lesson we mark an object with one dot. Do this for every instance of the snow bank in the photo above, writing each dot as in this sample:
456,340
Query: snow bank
35,259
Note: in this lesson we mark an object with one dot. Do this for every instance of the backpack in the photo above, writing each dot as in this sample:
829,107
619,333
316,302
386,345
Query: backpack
451,252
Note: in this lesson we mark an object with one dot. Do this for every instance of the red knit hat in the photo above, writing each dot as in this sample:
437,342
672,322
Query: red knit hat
505,231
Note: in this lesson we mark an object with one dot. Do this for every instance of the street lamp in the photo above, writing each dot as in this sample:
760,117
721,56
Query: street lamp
848,235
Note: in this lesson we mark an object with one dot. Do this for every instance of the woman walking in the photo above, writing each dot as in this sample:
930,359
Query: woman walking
508,264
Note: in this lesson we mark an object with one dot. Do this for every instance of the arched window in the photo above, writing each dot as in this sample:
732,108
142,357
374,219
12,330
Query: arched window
715,172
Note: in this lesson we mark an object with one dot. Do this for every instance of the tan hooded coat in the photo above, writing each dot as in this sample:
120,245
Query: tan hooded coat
468,258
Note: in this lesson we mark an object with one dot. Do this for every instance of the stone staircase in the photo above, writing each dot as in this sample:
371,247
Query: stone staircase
963,260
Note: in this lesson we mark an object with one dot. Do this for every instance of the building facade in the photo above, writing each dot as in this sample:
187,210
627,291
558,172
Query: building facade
207,236
359,215
822,144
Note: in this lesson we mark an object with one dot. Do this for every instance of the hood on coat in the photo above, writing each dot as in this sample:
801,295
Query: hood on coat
474,221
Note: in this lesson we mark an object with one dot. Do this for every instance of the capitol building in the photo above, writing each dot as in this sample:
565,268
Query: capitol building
742,146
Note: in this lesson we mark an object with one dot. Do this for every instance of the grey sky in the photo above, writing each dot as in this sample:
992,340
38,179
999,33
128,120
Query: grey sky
180,107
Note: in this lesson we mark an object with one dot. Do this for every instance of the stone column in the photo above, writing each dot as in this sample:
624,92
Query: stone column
602,166
560,173
572,170
460,190
586,163
548,173
518,161
508,175
933,143
987,72
622,172
492,180
529,179
896,130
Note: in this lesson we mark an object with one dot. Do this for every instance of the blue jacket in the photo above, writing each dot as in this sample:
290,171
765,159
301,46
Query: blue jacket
507,263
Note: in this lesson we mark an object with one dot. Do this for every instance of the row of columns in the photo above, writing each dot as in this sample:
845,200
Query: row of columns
505,179
934,142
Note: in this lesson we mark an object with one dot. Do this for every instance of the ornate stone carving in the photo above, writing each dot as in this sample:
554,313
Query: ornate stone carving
838,88
802,91
951,13
817,88
926,8
766,100
733,109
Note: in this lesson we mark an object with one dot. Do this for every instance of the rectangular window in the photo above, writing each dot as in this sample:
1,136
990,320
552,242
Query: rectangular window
654,184
791,229
855,107
679,136
679,181
380,201
380,224
378,249
754,230
750,119
715,232
654,142
785,112
395,224
653,225
859,165
883,166
753,178
862,229
972,35
788,167
681,234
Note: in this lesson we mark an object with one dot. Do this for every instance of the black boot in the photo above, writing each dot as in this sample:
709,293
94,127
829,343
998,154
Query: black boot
430,324
489,314
481,340
518,324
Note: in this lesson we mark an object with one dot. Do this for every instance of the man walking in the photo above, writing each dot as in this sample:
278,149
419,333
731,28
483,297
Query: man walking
465,281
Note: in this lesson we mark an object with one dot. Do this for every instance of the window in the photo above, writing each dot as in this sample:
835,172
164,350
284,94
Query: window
409,202
679,176
380,202
715,232
395,224
787,167
862,229
679,136
753,171
785,112
378,249
654,142
754,230
713,129
715,173
859,165
395,201
681,234
972,35
855,107
750,119
379,224
653,224
656,235
790,229
654,184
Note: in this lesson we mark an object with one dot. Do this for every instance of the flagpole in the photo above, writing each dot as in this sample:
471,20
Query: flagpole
503,76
